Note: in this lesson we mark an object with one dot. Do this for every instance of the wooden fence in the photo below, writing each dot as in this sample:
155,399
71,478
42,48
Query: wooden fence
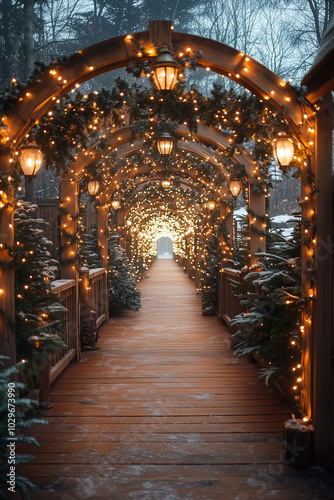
78,299
229,304
65,289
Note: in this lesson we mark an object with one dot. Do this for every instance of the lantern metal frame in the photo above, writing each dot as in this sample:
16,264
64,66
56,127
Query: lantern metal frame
165,143
165,69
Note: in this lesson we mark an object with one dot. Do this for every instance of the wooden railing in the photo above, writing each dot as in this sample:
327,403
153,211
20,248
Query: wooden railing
98,300
78,299
229,305
66,289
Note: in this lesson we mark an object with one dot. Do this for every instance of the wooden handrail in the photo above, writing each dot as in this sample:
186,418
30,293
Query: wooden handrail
59,286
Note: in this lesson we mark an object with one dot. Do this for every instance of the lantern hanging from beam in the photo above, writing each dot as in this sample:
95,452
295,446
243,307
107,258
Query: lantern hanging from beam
235,187
165,183
165,69
165,144
93,187
116,203
284,150
31,159
211,204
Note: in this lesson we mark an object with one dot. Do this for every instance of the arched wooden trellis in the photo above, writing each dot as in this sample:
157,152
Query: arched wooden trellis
122,141
313,132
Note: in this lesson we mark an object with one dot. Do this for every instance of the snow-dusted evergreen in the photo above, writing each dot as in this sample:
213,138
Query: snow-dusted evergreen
123,295
271,297
38,325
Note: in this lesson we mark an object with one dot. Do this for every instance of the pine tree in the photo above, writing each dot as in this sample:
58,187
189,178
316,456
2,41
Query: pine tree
38,324
90,252
271,296
210,278
9,391
123,295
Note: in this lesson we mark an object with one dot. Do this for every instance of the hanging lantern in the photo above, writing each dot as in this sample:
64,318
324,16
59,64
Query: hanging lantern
31,159
211,204
165,144
235,187
283,150
165,69
162,206
116,203
93,187
165,183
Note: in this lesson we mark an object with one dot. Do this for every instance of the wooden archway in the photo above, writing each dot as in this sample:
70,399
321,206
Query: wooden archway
313,132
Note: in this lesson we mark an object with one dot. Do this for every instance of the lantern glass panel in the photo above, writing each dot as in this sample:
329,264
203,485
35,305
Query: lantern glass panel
211,205
116,204
284,151
165,145
31,159
93,187
235,188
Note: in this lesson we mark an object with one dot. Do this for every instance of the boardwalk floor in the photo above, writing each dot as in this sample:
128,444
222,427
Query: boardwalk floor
164,411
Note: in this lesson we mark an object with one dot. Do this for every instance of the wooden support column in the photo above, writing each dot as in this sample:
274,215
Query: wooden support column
226,247
69,192
7,296
120,227
103,227
226,241
257,205
323,304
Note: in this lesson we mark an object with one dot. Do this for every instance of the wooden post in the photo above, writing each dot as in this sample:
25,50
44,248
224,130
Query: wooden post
226,241
69,191
7,297
257,206
120,227
84,294
226,247
103,226
323,306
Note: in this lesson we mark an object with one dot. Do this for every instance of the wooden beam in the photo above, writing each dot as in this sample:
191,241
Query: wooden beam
103,226
323,306
160,32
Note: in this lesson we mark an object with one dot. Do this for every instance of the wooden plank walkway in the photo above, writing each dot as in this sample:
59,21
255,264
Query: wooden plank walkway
164,411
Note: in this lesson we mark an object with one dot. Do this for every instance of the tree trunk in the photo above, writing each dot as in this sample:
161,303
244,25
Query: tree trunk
28,43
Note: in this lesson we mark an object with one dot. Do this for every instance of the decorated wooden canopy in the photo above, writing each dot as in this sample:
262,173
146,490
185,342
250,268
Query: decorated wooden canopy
309,124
